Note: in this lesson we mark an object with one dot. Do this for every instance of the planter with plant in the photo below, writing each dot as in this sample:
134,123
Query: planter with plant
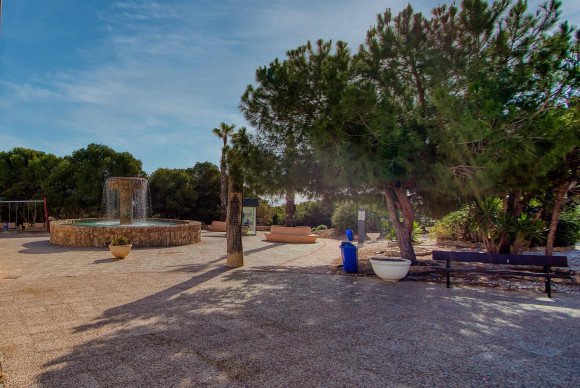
120,247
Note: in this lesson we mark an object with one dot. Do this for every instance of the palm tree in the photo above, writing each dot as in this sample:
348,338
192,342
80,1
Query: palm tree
223,132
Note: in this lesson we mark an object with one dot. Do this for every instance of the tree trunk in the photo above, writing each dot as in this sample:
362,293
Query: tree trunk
290,219
402,218
513,206
224,190
508,206
486,235
504,243
555,217
235,250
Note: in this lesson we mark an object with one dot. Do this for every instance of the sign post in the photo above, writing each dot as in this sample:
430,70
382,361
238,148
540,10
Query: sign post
361,226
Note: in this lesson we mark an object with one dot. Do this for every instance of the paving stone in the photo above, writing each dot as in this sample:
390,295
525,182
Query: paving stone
178,317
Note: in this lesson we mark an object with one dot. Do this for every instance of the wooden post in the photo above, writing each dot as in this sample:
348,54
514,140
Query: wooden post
235,250
46,220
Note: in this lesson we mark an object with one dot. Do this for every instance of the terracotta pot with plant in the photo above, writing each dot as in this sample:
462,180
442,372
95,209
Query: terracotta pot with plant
120,247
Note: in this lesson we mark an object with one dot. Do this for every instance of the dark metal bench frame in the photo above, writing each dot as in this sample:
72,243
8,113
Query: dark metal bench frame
546,262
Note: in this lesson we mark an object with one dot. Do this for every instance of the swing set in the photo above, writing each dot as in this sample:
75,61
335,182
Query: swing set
22,220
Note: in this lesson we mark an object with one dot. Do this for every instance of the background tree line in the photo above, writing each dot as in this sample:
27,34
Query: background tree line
73,184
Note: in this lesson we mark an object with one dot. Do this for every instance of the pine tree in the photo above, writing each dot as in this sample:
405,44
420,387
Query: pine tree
283,162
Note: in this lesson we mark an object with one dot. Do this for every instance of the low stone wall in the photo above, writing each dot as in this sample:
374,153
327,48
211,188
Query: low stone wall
64,233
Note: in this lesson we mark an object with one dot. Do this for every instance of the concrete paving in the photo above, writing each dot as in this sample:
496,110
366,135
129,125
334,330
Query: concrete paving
177,317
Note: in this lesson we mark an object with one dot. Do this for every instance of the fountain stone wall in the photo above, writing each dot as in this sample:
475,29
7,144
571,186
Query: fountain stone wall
162,234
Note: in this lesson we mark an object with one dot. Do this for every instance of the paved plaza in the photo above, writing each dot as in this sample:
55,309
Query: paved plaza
177,317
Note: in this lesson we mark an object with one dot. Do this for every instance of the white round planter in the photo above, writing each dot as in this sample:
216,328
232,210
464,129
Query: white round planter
390,269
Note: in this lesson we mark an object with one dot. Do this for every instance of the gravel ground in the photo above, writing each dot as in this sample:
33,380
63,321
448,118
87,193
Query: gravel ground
177,317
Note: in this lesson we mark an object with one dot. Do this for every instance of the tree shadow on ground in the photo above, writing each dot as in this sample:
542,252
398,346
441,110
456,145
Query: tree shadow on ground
44,247
242,327
20,234
215,236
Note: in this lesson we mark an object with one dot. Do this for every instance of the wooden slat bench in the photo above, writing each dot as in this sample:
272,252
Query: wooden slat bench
217,226
296,234
545,262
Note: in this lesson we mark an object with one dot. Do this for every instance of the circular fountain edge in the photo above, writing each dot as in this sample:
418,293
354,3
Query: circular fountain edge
174,233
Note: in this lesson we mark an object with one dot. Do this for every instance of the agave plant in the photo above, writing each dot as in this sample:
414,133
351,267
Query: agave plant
121,240
486,212
524,230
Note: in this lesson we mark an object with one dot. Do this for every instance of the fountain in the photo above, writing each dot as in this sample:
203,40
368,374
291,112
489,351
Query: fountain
125,194
126,206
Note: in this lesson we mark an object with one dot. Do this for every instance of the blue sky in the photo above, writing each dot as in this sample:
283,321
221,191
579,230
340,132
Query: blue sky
154,77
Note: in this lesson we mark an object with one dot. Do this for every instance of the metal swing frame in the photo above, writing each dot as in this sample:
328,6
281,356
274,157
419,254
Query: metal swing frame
28,202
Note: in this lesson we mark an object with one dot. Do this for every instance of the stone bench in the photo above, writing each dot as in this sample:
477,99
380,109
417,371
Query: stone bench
296,234
217,226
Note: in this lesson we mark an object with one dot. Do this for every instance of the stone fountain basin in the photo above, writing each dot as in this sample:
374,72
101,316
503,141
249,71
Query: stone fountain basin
86,232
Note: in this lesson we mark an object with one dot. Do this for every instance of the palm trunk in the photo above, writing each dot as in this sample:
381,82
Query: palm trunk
235,250
402,218
555,217
224,193
224,186
290,219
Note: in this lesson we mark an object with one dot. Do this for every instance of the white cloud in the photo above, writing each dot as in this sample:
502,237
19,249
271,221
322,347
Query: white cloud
28,92
160,75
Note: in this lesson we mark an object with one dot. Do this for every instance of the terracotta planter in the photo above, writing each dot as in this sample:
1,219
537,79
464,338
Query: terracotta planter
390,269
120,251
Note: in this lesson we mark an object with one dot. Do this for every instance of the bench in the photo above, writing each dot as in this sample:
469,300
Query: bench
295,234
8,225
545,262
217,226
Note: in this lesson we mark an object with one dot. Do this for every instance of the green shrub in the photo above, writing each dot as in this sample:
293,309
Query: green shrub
345,217
391,235
279,215
567,231
417,231
314,213
389,231
265,213
322,227
457,226
524,231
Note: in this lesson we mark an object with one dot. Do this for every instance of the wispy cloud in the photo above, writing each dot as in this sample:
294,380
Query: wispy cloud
28,92
157,76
